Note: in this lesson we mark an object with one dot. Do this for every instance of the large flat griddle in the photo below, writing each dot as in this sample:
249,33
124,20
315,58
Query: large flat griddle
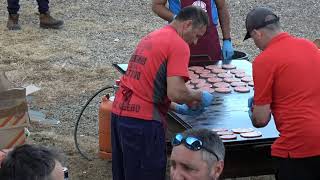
244,156
227,111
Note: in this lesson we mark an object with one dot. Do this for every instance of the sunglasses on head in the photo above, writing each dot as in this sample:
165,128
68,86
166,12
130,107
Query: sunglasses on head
191,143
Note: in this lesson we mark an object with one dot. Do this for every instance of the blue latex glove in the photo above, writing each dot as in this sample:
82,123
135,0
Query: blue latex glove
206,98
185,110
227,51
250,106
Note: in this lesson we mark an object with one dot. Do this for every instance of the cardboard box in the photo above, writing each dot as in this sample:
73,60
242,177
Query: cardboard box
13,114
12,130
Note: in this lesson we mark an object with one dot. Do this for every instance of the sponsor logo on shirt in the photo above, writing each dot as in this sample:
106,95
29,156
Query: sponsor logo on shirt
200,4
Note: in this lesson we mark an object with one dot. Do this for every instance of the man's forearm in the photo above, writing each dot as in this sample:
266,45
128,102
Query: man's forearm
190,97
224,19
162,11
261,115
259,124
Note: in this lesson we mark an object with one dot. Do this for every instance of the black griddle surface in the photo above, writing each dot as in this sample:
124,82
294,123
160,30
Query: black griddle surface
231,111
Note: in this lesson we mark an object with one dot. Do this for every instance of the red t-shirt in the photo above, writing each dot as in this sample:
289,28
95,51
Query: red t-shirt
286,75
143,89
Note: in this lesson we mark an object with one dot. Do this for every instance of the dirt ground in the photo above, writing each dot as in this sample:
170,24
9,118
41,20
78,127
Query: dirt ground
71,64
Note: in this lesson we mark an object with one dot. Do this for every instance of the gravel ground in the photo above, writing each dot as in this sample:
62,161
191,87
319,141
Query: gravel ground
72,63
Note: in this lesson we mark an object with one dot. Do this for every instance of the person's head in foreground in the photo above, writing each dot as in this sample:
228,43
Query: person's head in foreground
262,25
191,23
31,162
197,154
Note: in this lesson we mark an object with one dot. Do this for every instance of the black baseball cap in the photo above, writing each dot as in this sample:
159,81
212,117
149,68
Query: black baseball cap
259,18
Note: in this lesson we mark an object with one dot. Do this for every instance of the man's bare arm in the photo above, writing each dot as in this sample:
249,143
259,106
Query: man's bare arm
224,18
179,93
261,115
159,7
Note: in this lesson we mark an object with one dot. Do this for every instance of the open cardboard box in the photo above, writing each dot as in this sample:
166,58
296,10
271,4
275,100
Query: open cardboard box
13,114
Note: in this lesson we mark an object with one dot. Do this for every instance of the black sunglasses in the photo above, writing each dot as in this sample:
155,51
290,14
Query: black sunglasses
191,143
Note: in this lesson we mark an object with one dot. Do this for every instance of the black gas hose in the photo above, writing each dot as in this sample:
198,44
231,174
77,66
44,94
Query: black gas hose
79,117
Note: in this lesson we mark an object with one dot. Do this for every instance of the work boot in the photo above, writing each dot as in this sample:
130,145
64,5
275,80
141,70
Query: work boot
48,22
13,22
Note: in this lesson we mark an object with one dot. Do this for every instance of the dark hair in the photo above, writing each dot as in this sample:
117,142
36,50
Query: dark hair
29,162
198,16
209,139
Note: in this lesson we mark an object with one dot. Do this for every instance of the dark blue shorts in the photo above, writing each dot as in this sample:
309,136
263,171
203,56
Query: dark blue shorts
138,149
297,169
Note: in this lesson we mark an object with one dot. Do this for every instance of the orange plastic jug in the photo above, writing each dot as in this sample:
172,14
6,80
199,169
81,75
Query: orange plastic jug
105,150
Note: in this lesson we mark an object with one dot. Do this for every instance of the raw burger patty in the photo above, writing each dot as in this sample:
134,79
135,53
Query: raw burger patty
228,137
209,89
246,79
193,76
200,85
235,84
203,71
208,75
218,70
211,67
225,75
214,80
219,129
242,130
240,75
237,71
241,89
222,90
230,80
190,86
194,68
252,134
221,85
228,66
222,133
197,81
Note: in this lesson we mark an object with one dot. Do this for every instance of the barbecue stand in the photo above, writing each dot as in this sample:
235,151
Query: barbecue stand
244,156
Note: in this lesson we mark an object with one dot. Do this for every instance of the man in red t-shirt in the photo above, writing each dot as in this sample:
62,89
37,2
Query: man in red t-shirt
156,76
286,85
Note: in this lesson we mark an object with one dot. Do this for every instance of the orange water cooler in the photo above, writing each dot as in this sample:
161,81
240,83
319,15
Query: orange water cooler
105,149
